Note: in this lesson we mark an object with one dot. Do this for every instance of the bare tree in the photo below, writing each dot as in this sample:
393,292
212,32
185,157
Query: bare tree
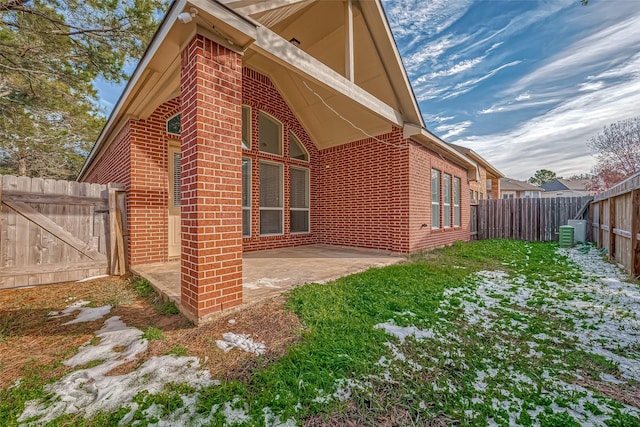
617,151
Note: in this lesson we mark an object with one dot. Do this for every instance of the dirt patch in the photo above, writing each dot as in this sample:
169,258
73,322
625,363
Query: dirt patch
32,343
628,394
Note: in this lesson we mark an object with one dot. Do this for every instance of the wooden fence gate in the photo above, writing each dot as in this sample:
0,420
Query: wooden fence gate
56,231
535,220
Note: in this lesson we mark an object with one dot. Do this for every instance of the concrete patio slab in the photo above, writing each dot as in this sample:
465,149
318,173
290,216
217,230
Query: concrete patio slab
271,272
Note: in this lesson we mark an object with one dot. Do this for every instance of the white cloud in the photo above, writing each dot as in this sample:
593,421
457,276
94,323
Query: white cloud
494,46
460,67
453,129
419,18
469,85
556,140
595,51
523,96
589,86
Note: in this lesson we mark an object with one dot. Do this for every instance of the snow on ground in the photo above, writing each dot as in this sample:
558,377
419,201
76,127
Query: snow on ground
230,341
87,314
599,312
89,390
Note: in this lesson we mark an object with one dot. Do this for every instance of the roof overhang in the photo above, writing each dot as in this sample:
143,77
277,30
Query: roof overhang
428,139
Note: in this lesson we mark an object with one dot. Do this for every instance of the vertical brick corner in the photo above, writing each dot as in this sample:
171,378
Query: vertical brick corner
211,130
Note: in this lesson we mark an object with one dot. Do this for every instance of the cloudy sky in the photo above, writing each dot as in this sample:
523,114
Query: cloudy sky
523,83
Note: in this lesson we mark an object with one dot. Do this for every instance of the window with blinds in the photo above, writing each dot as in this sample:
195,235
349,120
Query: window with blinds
246,197
447,200
456,202
176,180
271,198
299,200
435,198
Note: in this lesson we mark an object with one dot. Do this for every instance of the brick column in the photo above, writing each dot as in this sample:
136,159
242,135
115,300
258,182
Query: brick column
211,131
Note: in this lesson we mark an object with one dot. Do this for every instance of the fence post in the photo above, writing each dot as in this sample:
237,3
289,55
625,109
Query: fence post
612,224
117,254
635,230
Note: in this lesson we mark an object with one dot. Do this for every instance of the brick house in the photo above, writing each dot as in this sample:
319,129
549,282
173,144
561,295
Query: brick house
251,125
514,189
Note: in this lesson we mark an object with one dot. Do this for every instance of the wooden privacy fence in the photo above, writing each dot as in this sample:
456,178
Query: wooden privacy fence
615,216
535,220
56,231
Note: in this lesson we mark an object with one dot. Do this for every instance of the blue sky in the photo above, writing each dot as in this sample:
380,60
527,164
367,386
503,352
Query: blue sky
525,83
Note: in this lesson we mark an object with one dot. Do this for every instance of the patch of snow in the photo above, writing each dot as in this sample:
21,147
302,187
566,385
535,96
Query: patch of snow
403,332
87,391
69,310
89,314
271,420
266,282
234,415
242,342
86,279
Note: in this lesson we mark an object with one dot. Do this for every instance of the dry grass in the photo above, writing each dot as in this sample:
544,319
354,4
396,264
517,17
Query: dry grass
30,342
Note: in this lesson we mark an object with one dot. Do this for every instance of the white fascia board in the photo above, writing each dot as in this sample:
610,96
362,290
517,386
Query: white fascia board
228,16
396,53
157,40
261,6
303,64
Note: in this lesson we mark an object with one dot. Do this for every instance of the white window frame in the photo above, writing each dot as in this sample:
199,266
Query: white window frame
307,209
457,182
435,204
446,200
280,137
248,208
248,145
281,208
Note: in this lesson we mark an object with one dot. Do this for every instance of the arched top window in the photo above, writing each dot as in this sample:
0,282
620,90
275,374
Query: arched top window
269,134
173,125
296,149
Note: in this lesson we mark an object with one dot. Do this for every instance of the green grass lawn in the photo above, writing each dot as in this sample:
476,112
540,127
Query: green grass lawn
487,333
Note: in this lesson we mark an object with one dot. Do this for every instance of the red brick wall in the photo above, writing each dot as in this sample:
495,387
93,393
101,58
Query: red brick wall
259,93
365,193
114,165
422,160
148,193
211,177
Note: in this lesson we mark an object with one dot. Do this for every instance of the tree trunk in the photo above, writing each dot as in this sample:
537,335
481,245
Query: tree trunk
22,166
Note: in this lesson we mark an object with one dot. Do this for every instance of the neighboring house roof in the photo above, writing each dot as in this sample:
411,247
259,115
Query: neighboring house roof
509,184
478,159
337,93
565,184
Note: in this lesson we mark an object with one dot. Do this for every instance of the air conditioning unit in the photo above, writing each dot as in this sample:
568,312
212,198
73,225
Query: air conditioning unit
579,229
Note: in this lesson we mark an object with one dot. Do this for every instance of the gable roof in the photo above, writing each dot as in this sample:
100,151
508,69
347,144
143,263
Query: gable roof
565,184
509,184
343,79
